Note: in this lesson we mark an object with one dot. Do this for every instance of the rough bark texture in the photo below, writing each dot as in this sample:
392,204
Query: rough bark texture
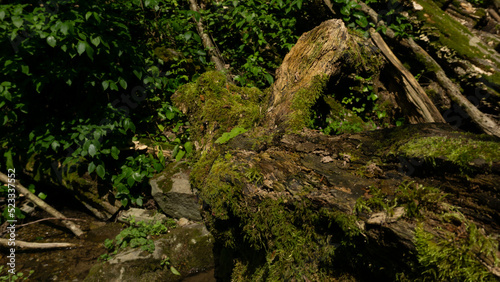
301,65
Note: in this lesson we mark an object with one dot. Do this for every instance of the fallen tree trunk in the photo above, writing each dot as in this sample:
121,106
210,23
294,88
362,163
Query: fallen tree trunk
21,189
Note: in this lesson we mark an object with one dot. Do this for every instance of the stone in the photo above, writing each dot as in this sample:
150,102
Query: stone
188,249
148,216
172,191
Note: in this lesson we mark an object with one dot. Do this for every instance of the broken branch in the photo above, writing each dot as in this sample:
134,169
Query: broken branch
39,202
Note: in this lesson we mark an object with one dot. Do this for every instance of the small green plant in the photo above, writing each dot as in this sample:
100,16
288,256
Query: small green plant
137,235
418,197
18,276
341,127
414,198
377,200
226,136
165,262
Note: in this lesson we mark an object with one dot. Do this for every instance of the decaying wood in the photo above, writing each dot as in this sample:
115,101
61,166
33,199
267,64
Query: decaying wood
34,246
414,92
488,125
301,65
215,57
39,202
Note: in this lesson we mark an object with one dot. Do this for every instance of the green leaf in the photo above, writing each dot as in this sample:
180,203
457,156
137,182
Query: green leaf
228,136
188,146
175,151
55,145
96,41
89,50
88,15
180,155
123,83
8,159
130,181
92,150
174,271
124,202
42,195
51,41
105,84
97,17
91,167
64,28
138,202
17,21
2,15
100,171
112,86
80,48
25,69
137,176
115,152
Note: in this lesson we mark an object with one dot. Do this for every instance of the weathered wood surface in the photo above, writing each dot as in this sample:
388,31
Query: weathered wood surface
487,124
318,53
415,95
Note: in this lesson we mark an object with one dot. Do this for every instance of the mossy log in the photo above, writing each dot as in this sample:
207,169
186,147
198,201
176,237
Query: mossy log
287,204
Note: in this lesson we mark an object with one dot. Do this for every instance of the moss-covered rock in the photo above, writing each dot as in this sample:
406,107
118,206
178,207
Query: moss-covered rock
188,249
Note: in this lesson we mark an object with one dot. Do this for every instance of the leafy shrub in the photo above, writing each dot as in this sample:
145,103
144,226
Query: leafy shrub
137,235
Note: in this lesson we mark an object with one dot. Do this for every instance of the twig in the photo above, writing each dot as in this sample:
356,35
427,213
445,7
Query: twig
21,189
35,246
207,42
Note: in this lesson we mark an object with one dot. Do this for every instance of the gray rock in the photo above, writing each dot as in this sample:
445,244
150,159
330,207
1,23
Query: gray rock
188,248
172,191
148,216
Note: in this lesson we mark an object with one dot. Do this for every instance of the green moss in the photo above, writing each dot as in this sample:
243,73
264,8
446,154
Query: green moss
460,151
271,239
302,103
451,33
213,103
454,258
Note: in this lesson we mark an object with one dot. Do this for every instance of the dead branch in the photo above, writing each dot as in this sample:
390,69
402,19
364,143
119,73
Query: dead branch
35,246
415,94
21,189
215,57
488,125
